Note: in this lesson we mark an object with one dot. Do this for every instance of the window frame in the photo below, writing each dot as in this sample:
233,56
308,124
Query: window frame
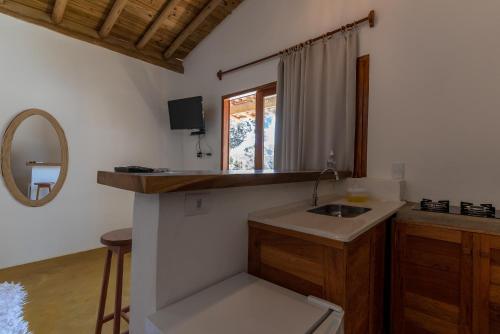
261,92
362,99
361,132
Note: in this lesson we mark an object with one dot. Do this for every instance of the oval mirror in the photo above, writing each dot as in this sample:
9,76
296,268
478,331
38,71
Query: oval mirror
34,157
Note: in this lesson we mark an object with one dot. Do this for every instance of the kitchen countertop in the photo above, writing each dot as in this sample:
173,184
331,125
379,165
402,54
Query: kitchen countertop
171,181
457,222
295,217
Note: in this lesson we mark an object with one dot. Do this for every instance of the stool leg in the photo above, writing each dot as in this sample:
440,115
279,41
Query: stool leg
104,293
118,295
37,193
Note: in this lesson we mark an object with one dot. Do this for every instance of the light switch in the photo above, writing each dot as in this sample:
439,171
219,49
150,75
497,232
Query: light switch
197,204
398,170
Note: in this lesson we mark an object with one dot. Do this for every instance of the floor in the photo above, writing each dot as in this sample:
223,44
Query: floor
63,293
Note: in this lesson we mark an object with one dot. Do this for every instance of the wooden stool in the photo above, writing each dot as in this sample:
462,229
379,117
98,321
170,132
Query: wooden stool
120,243
42,185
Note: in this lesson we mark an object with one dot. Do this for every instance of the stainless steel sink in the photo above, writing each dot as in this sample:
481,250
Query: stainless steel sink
339,210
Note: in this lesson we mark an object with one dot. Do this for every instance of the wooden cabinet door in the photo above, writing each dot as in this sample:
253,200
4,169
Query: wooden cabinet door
432,280
348,274
487,285
290,262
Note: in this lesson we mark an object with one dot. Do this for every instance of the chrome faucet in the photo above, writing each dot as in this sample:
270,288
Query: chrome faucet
315,192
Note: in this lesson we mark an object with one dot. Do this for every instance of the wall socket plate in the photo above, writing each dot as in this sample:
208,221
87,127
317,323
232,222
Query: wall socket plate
196,204
398,170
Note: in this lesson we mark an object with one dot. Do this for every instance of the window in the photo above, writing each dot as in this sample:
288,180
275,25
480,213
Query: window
249,120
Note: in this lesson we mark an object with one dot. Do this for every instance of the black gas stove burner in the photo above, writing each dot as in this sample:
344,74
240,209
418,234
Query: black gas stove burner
440,206
482,210
465,209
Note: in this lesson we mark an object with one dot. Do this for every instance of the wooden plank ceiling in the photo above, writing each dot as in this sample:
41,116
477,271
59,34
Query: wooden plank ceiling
161,32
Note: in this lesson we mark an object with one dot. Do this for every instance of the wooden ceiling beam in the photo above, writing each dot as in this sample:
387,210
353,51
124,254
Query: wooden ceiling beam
91,24
113,15
198,20
168,10
58,11
87,34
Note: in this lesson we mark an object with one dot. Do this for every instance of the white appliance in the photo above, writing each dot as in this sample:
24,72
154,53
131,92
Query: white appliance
245,304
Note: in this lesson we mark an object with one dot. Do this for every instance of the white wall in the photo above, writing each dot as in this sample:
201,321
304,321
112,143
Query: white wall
113,110
434,92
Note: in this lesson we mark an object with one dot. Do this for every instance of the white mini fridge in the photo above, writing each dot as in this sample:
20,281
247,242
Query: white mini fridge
244,304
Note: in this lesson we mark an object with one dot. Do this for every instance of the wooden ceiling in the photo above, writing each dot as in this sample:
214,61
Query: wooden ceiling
161,32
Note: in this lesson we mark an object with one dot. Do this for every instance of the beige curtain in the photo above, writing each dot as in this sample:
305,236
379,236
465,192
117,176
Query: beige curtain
316,110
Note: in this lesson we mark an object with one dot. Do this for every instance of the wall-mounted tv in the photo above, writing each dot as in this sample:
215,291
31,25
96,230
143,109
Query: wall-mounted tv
186,114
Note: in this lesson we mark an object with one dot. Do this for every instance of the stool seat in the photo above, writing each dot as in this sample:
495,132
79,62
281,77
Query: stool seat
43,184
117,238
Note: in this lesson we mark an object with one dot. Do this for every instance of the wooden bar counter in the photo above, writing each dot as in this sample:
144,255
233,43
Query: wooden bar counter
164,182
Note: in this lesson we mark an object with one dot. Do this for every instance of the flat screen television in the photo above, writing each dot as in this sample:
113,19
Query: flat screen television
186,114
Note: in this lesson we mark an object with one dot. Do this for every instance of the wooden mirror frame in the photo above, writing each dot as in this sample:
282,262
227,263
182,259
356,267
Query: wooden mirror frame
6,158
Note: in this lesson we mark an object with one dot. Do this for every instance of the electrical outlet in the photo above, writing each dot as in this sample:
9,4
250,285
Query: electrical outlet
196,204
201,155
398,170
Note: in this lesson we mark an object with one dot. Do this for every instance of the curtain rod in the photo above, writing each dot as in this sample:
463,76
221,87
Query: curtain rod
370,19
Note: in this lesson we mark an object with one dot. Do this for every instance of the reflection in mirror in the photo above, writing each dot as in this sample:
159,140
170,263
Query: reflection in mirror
35,157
